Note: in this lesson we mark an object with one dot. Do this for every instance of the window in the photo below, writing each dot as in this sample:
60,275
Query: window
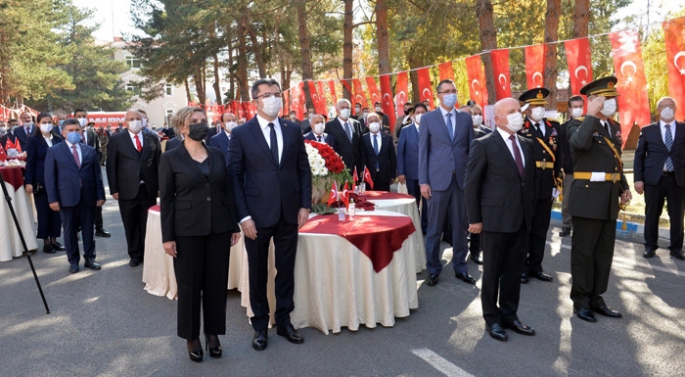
133,62
169,90
169,114
133,88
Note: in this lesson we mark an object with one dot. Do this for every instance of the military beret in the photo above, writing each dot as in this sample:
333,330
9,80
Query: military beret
537,96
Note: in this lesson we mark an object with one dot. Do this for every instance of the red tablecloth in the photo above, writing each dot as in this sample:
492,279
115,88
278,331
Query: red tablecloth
13,176
378,237
371,195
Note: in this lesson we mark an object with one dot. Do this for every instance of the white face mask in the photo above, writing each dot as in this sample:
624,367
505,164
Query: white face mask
667,114
82,122
374,127
318,128
417,118
144,122
344,113
271,106
46,127
379,109
231,125
515,122
477,120
537,113
609,108
577,112
28,124
135,126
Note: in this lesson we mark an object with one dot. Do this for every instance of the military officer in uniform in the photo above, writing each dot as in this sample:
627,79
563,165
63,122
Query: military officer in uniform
599,188
544,134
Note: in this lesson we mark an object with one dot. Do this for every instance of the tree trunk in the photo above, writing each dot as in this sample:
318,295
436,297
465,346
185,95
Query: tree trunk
242,65
217,80
551,35
307,73
415,61
382,37
231,81
581,18
257,51
488,41
348,48
189,97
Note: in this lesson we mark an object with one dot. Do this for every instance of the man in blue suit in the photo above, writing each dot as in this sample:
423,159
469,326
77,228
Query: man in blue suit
73,181
318,125
24,132
272,183
220,141
408,160
444,141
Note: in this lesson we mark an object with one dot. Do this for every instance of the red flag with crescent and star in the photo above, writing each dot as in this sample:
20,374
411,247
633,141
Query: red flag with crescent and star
331,88
334,194
345,197
674,37
386,100
3,155
500,71
579,60
319,105
425,86
535,66
359,96
633,103
367,177
476,77
322,97
295,100
402,90
446,71
373,91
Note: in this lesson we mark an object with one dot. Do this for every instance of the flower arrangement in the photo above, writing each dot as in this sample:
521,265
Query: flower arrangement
327,167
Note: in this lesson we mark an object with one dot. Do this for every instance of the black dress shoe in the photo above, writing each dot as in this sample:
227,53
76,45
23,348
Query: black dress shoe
58,246
465,277
195,350
565,232
524,278
432,280
290,333
605,311
215,350
92,264
541,276
47,248
134,262
519,328
73,268
477,258
649,253
678,254
259,342
497,332
585,314
102,233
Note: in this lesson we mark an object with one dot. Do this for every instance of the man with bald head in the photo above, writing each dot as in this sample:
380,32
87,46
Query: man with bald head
132,162
499,203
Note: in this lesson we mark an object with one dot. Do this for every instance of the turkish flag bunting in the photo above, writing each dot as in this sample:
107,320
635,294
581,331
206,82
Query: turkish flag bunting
402,90
322,97
579,60
425,86
10,145
359,96
346,84
295,103
476,78
535,66
386,95
302,102
367,177
319,106
373,90
286,102
334,194
633,103
446,71
674,37
3,155
500,70
248,110
331,87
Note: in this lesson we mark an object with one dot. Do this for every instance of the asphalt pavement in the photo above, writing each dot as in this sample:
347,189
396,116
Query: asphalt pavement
103,323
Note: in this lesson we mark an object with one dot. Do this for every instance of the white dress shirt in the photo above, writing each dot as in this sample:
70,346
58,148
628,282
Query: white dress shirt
662,126
505,135
78,151
266,130
540,125
380,139
48,139
133,139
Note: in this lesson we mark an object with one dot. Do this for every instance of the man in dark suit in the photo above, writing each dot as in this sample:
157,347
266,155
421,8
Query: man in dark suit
132,163
317,133
385,120
272,183
348,135
598,182
91,139
500,171
220,141
659,169
12,125
544,134
444,140
379,155
57,129
305,125
408,161
24,132
73,181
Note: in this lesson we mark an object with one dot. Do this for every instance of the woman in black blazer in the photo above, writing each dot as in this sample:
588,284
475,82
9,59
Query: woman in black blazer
49,222
198,225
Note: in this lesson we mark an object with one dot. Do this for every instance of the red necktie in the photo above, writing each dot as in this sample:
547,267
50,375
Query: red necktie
75,154
138,145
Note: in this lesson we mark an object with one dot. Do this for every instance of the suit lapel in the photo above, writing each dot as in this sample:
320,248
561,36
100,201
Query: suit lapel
504,149
444,124
256,131
286,139
146,146
192,164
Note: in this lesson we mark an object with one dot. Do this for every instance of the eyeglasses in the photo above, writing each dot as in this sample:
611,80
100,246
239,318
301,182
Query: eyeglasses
269,95
453,91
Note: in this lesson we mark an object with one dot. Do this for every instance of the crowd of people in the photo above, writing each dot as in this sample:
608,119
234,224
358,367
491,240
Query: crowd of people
486,191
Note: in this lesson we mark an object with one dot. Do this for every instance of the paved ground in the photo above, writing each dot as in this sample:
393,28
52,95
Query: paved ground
104,324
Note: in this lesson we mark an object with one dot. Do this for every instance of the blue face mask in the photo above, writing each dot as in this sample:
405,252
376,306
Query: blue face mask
74,137
61,122
449,100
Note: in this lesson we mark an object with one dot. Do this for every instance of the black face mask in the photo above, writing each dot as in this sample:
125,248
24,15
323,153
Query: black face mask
198,131
407,112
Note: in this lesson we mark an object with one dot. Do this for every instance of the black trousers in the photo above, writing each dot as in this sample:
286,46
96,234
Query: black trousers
592,250
414,189
654,199
542,212
201,269
99,225
73,218
285,241
134,216
504,256
49,221
377,184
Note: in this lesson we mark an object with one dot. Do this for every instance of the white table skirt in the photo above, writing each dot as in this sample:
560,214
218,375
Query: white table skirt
10,243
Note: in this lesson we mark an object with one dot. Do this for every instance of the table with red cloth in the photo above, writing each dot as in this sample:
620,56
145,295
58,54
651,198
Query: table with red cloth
347,273
10,242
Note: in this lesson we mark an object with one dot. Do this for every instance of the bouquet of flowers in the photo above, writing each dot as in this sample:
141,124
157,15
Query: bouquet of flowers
327,167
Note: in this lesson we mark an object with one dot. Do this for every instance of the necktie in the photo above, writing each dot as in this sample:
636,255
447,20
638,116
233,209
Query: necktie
75,154
608,128
318,138
274,143
517,154
448,122
138,145
669,144
348,131
28,131
375,148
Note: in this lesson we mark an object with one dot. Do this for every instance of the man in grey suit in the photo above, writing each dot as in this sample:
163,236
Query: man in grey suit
445,137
